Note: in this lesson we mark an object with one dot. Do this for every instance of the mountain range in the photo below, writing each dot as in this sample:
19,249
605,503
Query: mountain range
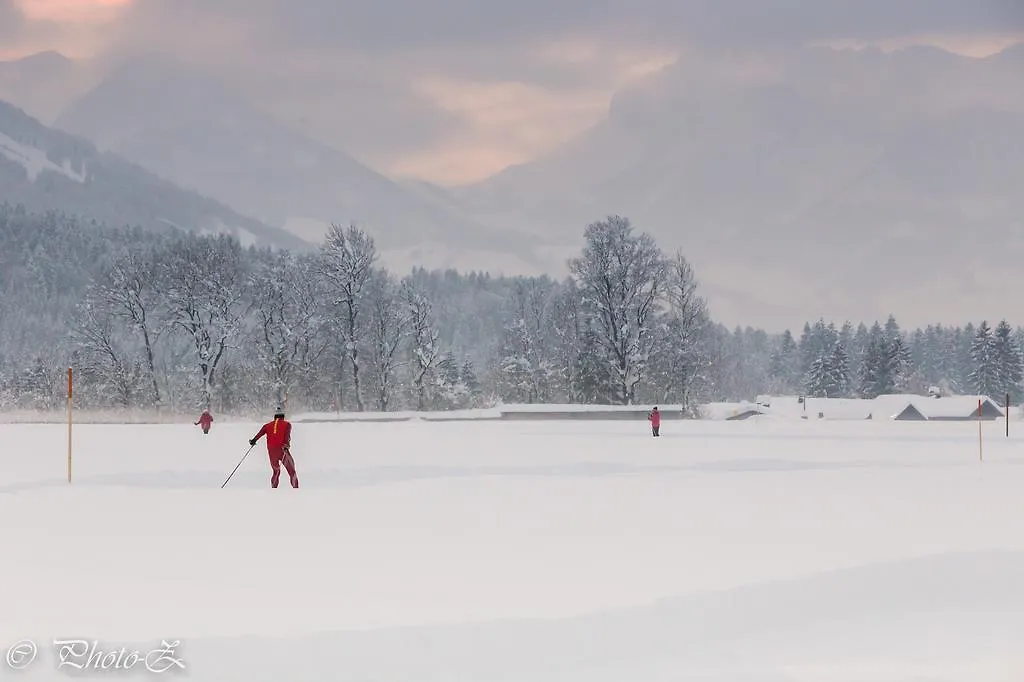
825,181
43,84
42,169
196,132
817,182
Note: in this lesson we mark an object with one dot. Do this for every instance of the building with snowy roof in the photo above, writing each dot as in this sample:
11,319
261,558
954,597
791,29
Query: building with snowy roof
896,407
960,408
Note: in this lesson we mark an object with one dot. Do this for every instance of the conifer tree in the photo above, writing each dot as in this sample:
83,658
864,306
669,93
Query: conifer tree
1008,362
985,376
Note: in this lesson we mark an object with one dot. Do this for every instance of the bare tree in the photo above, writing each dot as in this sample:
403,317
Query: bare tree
424,347
104,360
621,275
204,293
346,266
390,326
130,291
286,313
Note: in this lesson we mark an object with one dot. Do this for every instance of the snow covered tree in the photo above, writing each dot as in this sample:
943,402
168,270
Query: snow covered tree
528,372
784,364
681,341
901,365
963,360
454,390
203,280
38,386
130,290
390,324
1008,362
839,372
424,348
847,335
818,383
985,377
584,374
621,275
878,370
105,361
858,346
469,379
287,338
816,343
925,350
347,262
829,375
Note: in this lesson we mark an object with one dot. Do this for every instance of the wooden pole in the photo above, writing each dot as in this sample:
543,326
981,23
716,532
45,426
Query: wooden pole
1007,408
70,394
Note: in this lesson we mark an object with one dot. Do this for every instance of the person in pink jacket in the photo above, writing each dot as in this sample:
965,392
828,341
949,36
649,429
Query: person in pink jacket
655,418
205,420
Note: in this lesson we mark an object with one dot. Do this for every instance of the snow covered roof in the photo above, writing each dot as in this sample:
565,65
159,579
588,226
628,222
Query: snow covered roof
883,407
831,408
957,407
555,407
719,411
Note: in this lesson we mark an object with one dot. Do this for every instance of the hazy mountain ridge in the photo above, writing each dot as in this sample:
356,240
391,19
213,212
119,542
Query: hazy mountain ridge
796,175
47,169
196,132
804,176
43,84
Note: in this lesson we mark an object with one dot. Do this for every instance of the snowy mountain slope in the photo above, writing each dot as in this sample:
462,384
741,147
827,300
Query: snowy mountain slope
196,132
35,161
43,169
799,182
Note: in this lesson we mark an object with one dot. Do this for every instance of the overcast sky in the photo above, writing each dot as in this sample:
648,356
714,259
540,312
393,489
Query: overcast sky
453,90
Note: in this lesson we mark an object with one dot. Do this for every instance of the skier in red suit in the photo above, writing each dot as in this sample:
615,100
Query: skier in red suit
205,420
655,418
279,440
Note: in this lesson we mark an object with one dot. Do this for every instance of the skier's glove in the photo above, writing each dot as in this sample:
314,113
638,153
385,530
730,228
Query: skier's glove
252,441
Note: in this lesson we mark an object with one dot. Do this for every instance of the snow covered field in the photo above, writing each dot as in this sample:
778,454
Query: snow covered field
755,551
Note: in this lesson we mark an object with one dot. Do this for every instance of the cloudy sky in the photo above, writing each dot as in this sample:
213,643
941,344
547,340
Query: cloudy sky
454,90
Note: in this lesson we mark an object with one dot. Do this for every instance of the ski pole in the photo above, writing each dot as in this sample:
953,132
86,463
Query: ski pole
238,465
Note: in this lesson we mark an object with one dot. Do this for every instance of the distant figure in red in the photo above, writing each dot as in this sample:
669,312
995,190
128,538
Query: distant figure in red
205,419
279,441
655,418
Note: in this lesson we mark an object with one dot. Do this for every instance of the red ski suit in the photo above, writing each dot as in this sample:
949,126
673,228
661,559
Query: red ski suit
205,419
279,440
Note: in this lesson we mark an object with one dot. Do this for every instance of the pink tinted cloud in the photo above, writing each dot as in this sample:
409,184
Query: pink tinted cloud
73,11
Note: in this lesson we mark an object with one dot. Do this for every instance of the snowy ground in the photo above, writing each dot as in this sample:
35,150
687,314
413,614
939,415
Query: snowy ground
749,551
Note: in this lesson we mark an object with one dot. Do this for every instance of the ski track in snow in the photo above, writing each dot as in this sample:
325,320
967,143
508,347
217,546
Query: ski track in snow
752,551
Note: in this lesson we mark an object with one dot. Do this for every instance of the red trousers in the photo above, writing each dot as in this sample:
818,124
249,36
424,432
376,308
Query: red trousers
278,456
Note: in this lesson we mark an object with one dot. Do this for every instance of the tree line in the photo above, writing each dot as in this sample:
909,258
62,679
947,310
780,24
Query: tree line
845,362
180,321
